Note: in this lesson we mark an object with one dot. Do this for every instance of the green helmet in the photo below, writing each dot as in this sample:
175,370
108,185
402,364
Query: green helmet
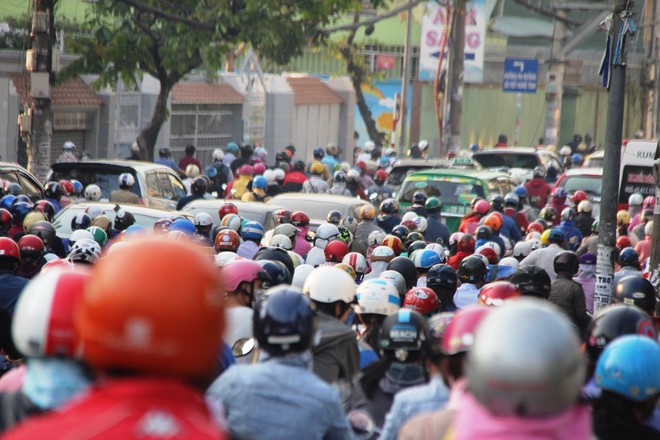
432,204
99,235
344,235
594,226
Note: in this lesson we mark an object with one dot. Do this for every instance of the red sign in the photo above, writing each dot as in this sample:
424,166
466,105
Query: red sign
385,62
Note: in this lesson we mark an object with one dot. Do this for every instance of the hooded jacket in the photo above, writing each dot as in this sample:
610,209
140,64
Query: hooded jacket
538,191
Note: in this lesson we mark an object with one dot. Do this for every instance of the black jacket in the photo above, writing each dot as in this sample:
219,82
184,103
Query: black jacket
569,297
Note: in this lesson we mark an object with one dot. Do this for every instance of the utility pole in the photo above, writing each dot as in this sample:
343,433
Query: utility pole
612,160
36,126
654,265
457,59
554,82
405,82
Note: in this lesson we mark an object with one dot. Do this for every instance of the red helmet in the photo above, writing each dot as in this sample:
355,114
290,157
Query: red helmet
466,243
6,219
67,186
299,219
227,208
259,169
283,216
498,293
410,224
46,208
393,242
623,242
649,202
459,335
490,254
246,170
162,225
30,246
579,196
381,176
227,240
361,165
421,299
535,227
335,251
9,248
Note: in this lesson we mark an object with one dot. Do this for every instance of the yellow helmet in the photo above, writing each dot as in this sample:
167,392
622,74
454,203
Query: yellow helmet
346,268
367,212
622,218
317,168
544,237
31,218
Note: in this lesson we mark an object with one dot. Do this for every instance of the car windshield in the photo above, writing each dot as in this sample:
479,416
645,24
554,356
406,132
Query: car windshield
107,180
244,211
451,190
592,185
507,159
62,222
399,173
316,209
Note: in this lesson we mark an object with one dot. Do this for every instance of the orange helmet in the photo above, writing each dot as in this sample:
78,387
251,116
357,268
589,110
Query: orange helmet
493,221
367,212
227,240
164,315
394,242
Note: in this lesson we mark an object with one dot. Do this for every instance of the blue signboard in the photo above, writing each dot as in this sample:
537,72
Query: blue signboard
520,75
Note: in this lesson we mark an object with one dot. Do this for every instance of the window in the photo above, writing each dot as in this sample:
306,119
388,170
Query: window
452,191
177,187
152,185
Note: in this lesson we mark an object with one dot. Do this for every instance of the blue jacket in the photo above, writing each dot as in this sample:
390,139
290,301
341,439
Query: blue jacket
388,222
279,398
510,229
573,235
11,286
436,229
413,401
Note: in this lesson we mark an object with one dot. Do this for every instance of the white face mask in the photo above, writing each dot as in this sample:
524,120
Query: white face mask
51,382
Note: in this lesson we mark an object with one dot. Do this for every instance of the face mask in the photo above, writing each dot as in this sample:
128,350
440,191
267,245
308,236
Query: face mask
51,382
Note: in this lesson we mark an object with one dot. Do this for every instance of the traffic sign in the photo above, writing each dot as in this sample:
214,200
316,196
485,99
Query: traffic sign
520,75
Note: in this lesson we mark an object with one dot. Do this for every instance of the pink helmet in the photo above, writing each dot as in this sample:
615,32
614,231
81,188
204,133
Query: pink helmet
238,271
482,207
649,202
259,169
246,170
459,334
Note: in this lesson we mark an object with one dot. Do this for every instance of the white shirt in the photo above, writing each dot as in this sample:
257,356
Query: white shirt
543,258
239,324
466,295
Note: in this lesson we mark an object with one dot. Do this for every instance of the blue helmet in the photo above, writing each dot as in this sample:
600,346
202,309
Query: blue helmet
252,230
260,182
425,258
576,159
184,225
557,234
629,367
520,191
135,230
628,257
81,221
77,186
560,193
7,201
232,147
210,171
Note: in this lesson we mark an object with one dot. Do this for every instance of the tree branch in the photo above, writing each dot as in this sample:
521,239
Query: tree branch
376,19
546,13
167,15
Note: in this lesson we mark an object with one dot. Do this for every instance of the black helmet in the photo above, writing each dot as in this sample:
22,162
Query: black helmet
484,232
53,190
334,217
81,221
406,268
401,333
441,275
420,197
275,254
198,186
549,214
435,331
497,203
566,262
43,230
614,321
532,281
285,322
415,246
472,269
634,290
277,271
124,221
246,151
388,206
412,237
299,165
14,189
401,232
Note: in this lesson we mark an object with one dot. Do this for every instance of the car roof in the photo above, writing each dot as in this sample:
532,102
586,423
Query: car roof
529,150
584,172
218,203
135,164
421,162
134,209
318,197
458,172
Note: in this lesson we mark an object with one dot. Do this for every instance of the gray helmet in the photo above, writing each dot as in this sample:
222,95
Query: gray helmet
286,229
526,360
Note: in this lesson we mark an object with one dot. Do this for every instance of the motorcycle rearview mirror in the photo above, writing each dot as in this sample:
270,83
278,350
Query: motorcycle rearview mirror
242,347
362,425
373,196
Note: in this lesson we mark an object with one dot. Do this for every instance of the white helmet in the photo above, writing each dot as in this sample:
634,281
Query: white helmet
491,244
300,274
535,243
522,249
585,206
421,224
269,175
218,155
565,151
438,249
526,361
222,258
369,146
410,215
192,170
378,297
636,199
389,151
382,253
85,251
93,193
396,279
203,219
126,179
648,228
423,144
534,235
357,261
281,241
510,262
329,284
376,237
279,174
327,232
94,211
79,234
349,223
68,145
353,175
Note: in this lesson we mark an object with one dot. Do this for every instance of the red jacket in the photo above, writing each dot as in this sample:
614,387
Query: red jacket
455,261
190,160
538,191
136,408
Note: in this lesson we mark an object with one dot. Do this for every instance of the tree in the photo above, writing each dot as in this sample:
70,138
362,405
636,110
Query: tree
123,39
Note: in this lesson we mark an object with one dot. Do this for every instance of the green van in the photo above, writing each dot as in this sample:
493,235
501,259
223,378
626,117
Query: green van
455,188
